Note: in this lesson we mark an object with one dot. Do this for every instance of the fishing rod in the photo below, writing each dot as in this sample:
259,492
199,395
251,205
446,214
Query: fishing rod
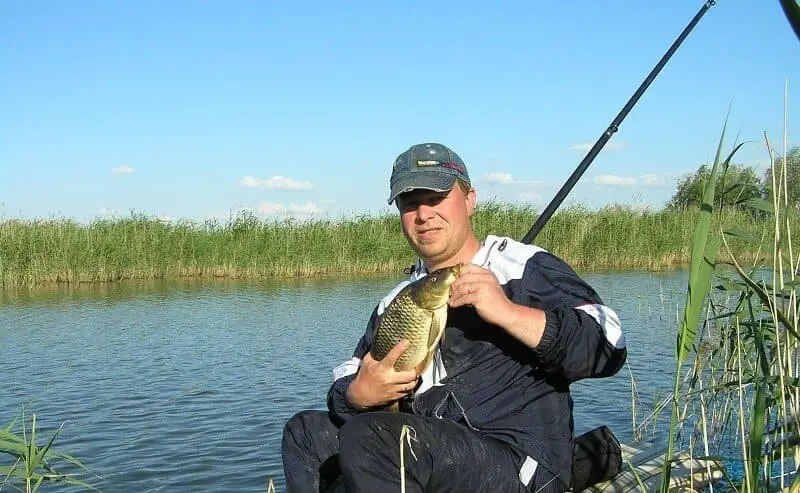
792,12
575,176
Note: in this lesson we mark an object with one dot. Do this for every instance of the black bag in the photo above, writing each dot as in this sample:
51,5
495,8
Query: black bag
596,457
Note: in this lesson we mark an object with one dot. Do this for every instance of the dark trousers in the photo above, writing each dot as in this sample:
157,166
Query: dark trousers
364,456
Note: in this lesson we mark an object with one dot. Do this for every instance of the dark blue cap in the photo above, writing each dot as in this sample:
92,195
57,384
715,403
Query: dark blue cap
429,166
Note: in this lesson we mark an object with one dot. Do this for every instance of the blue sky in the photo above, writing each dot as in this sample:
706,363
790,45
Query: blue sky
199,109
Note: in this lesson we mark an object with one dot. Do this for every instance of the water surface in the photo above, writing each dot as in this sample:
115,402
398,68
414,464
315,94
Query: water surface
185,387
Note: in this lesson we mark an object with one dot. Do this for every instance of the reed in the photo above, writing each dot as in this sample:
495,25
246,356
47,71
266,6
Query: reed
31,463
736,394
40,252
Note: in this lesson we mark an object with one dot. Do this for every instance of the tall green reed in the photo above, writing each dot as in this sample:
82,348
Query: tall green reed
42,252
736,389
705,245
33,464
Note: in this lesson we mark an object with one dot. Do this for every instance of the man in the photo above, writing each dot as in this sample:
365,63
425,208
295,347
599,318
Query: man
493,411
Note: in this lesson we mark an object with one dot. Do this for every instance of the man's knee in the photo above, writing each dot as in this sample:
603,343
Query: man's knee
363,429
306,428
302,420
370,435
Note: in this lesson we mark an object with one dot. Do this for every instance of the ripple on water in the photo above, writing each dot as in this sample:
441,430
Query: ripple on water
188,389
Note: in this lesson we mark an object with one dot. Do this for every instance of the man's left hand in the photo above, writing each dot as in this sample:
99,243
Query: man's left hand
480,288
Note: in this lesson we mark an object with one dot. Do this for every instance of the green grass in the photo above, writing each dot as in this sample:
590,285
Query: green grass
736,392
40,252
33,463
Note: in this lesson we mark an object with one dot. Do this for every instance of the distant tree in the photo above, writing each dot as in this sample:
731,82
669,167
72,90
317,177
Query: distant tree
792,177
690,189
739,184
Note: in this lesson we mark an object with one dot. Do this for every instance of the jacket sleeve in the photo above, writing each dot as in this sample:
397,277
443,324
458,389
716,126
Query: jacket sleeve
582,336
345,373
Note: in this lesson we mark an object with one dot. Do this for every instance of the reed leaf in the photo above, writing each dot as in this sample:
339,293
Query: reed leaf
747,236
756,436
32,463
705,246
766,300
759,204
795,486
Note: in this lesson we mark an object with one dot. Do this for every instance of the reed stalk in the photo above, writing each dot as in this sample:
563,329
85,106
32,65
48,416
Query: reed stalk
741,359
32,464
47,252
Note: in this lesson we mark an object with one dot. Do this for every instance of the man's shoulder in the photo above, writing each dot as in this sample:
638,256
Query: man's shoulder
509,258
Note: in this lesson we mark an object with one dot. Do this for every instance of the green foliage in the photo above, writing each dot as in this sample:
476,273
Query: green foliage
33,464
705,245
790,190
741,186
736,392
39,253
737,185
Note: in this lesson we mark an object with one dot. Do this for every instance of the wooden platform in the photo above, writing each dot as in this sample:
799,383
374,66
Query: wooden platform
688,475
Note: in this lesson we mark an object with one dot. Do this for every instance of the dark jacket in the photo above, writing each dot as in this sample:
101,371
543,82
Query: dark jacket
495,384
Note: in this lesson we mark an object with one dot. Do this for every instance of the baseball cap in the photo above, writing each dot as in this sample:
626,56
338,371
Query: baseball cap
430,166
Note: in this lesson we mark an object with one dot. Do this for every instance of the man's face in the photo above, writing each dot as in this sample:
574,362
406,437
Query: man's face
436,224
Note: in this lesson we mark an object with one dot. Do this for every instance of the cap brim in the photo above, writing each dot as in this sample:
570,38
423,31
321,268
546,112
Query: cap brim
435,180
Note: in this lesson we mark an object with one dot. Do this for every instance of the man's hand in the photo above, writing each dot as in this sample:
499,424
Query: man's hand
377,383
480,288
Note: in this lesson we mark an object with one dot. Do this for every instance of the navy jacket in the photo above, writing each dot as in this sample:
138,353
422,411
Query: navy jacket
488,380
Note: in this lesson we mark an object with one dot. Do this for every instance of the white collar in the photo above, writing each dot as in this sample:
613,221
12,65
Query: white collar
481,257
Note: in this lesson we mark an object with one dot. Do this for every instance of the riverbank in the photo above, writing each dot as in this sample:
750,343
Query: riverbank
41,252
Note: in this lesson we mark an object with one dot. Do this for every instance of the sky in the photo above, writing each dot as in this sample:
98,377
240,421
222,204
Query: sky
195,110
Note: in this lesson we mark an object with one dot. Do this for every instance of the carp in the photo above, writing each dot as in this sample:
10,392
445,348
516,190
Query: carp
418,314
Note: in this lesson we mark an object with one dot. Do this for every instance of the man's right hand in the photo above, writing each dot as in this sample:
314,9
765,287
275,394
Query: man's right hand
377,383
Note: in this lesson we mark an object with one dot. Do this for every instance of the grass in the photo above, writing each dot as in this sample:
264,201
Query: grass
736,393
32,463
42,252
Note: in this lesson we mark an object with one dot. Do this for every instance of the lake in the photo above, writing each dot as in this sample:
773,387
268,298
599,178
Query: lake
185,386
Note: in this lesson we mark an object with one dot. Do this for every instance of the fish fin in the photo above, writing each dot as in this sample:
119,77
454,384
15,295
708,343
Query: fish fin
438,323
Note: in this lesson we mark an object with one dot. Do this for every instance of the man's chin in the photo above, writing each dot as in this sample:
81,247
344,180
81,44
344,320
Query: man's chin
427,250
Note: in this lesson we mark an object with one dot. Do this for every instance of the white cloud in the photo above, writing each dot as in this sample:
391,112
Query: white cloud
585,146
122,170
643,181
290,210
276,182
499,178
503,178
270,208
249,182
615,181
656,181
530,197
269,211
108,211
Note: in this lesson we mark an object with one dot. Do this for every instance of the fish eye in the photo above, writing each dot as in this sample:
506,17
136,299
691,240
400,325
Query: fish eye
433,278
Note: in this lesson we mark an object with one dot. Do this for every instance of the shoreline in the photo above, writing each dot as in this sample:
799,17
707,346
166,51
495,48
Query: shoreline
62,252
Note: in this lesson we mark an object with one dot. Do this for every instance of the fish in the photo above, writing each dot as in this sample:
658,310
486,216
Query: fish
418,313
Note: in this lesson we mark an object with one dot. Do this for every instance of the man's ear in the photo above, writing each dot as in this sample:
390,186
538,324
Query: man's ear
470,201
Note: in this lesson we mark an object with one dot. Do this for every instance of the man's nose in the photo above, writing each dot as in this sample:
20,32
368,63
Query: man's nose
424,212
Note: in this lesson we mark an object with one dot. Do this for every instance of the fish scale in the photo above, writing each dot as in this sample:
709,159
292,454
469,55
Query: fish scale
418,314
405,321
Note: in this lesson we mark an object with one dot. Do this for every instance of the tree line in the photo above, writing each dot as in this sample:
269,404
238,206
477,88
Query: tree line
741,184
